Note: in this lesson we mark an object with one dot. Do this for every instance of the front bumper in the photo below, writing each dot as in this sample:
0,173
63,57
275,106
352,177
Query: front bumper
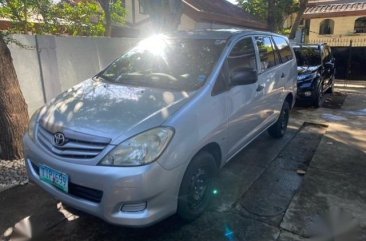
103,191
306,91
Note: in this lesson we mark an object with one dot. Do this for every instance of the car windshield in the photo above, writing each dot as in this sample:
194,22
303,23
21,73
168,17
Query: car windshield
178,64
307,56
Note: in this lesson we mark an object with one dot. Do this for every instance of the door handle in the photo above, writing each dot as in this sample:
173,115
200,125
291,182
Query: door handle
260,87
282,75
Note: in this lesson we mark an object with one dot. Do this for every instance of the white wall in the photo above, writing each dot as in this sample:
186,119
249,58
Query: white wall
57,63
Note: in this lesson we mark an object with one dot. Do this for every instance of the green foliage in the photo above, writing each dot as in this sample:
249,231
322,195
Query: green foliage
285,31
118,12
259,8
49,17
84,18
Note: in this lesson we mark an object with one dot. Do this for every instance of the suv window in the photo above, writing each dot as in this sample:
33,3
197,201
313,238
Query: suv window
243,56
284,49
266,52
307,56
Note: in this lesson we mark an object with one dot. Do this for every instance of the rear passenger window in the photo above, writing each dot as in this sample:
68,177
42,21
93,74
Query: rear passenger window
243,56
266,53
284,49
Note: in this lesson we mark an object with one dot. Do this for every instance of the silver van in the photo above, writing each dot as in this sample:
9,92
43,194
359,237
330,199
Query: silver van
144,138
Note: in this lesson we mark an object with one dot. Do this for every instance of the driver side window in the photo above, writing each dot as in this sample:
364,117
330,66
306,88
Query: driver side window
242,56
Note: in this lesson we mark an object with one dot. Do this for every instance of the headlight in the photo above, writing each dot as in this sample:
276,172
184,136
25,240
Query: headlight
141,149
32,124
304,77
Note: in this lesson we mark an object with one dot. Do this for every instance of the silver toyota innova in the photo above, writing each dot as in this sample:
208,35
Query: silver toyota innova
144,138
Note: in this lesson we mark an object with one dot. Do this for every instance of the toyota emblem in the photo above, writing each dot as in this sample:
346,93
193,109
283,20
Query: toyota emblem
59,139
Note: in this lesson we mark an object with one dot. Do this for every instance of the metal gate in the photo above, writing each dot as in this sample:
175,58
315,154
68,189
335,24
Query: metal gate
350,62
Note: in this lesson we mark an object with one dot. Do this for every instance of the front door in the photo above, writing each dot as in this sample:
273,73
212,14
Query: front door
243,100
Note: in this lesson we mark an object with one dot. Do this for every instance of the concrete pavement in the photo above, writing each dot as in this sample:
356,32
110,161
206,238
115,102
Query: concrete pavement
332,200
262,192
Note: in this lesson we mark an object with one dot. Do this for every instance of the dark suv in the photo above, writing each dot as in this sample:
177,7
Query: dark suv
315,66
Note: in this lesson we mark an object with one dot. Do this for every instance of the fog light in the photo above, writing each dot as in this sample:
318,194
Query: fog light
307,93
133,207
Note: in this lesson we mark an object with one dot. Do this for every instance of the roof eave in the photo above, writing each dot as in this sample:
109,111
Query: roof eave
335,14
221,19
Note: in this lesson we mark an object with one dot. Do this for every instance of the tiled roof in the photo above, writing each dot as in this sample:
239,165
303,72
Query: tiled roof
319,2
336,9
222,12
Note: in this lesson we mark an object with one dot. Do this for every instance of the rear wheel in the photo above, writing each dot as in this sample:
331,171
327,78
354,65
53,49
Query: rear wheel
278,129
196,188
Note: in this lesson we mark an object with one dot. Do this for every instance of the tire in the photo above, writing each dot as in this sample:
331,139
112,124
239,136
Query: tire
318,97
331,88
196,188
278,129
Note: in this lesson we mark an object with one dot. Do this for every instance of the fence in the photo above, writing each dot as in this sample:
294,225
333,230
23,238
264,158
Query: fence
340,41
49,65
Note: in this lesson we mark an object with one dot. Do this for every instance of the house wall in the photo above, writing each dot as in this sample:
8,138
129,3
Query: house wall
50,65
140,21
289,21
186,23
133,14
342,35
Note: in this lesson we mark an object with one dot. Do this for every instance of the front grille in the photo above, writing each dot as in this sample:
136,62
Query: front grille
75,147
87,193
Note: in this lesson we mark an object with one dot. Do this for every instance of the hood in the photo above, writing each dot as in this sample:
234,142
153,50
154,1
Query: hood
111,110
307,69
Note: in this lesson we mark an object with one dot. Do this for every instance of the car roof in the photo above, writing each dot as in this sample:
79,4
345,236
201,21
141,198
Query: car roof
218,33
307,45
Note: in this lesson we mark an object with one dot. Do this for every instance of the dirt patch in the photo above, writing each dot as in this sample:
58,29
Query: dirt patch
334,101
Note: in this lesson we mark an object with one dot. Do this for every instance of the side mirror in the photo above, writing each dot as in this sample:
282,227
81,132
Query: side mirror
243,76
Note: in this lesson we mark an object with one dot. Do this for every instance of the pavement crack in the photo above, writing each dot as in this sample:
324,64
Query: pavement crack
291,232
262,215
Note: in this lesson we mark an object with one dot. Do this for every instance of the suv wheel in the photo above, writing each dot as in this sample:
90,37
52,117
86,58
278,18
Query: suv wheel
318,97
196,187
278,129
331,88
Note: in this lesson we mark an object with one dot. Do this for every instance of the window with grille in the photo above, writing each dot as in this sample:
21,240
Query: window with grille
360,25
326,27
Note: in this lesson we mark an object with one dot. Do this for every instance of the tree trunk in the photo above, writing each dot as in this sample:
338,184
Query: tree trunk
108,24
271,19
300,13
108,18
13,109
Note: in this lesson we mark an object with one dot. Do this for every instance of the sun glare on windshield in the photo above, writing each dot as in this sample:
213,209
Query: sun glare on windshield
155,44
164,62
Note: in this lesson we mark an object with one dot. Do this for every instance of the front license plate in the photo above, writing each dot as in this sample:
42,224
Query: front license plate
55,178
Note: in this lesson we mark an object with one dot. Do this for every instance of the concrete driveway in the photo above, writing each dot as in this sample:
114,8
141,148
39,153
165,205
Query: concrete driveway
309,184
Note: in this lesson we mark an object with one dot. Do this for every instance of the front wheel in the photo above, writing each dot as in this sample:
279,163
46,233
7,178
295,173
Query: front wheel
318,97
278,129
331,88
197,185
